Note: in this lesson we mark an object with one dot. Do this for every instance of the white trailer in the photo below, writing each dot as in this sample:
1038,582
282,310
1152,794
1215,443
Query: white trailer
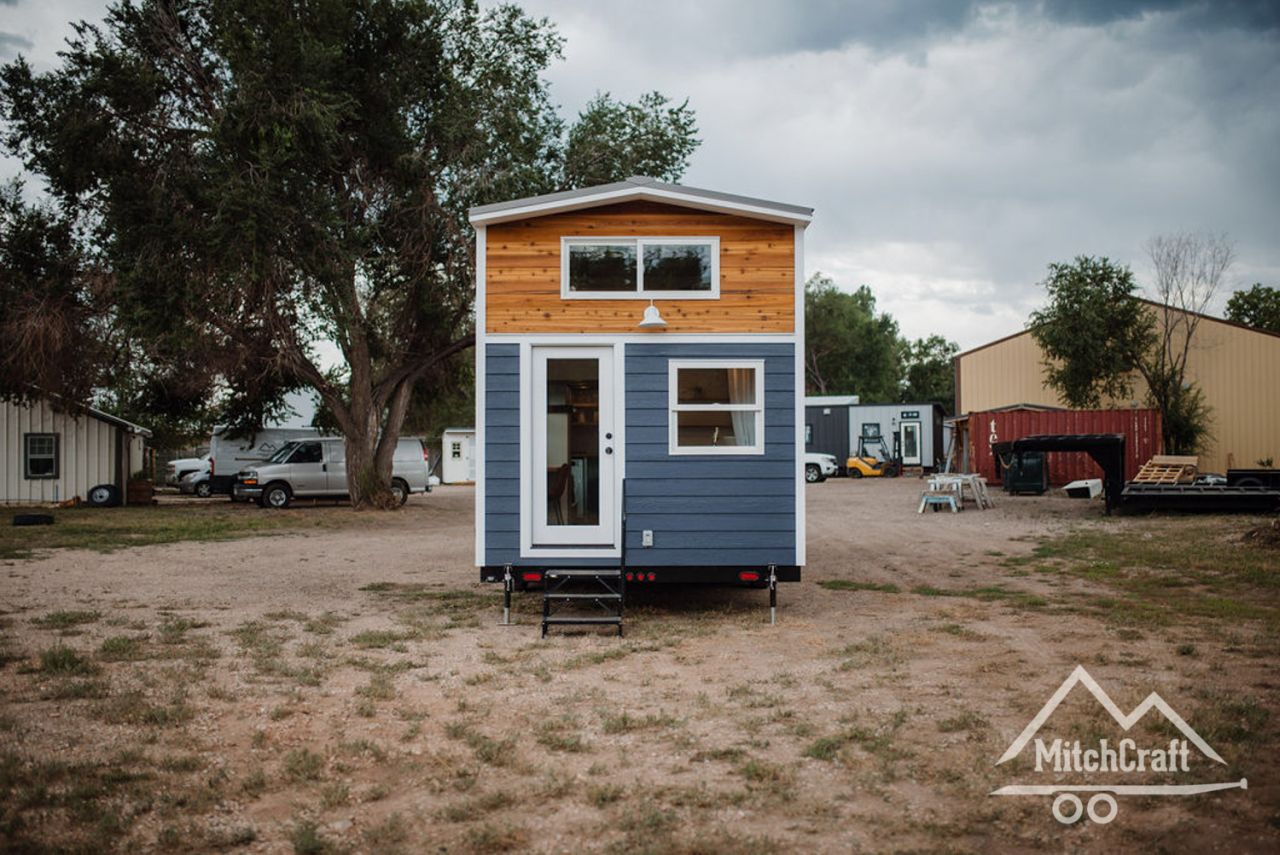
458,456
230,452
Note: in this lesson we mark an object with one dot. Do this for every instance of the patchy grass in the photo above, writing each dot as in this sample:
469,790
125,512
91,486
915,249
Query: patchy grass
122,648
303,764
62,661
66,619
987,594
849,585
495,752
135,707
109,529
1169,570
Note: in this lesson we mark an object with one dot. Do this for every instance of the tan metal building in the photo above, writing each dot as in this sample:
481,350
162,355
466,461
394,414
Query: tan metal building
1238,368
51,456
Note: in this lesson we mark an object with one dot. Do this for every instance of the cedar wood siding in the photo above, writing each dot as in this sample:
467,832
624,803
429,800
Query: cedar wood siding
522,279
704,511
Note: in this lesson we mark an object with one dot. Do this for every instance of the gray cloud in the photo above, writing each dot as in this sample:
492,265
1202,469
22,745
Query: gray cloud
952,149
11,44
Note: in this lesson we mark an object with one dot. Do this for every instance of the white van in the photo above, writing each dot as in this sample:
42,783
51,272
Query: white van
318,467
229,452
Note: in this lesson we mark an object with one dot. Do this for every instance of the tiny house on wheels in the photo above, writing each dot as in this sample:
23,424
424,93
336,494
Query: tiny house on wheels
639,402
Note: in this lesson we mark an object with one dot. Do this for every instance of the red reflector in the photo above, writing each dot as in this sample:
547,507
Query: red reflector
749,576
631,577
651,577
531,577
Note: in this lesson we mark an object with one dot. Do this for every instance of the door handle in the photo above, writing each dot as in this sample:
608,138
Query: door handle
324,467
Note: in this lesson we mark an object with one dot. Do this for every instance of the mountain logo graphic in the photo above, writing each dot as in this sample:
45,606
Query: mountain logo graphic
1126,757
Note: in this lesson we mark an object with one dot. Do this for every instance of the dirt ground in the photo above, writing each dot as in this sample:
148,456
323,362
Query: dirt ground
352,690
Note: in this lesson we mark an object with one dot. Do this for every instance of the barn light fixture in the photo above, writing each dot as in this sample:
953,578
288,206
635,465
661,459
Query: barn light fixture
652,318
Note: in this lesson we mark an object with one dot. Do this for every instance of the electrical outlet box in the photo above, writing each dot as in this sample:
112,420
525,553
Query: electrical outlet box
646,537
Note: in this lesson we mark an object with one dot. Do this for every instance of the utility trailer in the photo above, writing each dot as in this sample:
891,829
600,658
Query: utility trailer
1200,498
1269,478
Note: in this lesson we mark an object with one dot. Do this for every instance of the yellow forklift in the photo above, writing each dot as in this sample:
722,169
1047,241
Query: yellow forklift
867,464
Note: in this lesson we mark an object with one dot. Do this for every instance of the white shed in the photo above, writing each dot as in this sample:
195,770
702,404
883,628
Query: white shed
51,455
458,461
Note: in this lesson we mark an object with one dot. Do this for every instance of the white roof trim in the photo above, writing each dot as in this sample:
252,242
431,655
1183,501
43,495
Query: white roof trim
634,189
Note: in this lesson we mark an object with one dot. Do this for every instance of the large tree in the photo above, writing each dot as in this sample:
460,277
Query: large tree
850,348
1098,336
1257,307
1094,331
256,179
929,371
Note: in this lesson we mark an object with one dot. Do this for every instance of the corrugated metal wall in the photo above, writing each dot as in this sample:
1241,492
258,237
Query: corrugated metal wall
829,432
86,449
1238,369
1141,429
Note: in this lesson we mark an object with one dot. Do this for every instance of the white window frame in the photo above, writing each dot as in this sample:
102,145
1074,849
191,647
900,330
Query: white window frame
640,243
54,455
674,407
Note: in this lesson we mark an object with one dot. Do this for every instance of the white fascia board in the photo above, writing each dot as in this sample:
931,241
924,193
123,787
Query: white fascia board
631,194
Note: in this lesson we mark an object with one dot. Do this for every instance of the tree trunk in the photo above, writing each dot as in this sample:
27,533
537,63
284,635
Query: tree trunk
371,450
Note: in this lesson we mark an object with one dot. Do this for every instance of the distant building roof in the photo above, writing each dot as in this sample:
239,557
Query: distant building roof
831,400
639,187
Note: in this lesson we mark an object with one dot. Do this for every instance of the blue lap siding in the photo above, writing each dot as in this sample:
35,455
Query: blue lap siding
721,510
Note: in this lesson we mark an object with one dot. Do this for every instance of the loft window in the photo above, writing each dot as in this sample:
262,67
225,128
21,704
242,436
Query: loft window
640,268
716,407
40,455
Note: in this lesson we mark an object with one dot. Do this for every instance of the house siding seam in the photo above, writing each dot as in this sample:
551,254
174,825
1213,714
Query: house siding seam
707,511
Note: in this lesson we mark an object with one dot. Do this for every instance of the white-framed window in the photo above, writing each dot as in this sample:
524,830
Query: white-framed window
621,268
716,406
40,455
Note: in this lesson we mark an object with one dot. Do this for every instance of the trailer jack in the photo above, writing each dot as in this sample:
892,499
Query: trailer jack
773,594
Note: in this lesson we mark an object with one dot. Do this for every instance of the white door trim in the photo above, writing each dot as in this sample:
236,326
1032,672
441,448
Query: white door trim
902,442
530,484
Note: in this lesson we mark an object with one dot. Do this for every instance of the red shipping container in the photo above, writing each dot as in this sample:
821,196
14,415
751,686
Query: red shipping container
1141,429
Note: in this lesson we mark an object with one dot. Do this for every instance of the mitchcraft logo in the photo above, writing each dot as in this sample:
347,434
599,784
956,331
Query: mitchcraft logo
1125,756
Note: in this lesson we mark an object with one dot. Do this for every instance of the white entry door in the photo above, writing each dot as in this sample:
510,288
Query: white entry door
910,438
574,460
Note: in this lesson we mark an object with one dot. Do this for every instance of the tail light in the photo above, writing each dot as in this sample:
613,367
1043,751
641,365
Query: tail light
212,466
531,576
749,576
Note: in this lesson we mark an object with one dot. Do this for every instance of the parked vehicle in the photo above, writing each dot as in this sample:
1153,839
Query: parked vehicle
230,452
868,464
197,484
176,470
819,467
318,467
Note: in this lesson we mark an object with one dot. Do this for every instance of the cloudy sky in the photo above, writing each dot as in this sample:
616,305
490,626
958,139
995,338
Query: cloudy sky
952,150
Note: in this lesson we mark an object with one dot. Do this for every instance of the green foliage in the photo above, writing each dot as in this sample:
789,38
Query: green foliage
256,181
612,141
850,348
1186,417
929,372
1257,307
52,311
1094,332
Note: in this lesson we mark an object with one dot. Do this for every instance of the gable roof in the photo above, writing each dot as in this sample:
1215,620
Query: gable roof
640,187
1151,303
